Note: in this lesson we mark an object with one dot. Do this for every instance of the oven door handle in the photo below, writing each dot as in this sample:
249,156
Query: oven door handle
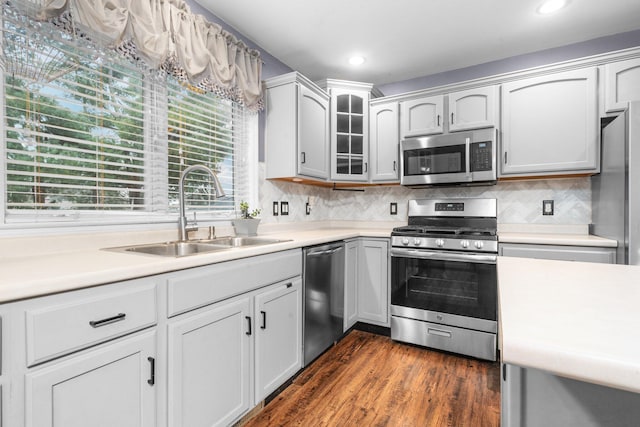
440,256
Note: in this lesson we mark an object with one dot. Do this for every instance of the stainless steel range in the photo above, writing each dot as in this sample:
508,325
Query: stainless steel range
443,276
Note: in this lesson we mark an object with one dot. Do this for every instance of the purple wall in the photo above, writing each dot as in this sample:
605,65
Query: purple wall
515,63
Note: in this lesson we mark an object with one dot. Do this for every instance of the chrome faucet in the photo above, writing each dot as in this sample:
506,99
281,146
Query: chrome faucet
183,227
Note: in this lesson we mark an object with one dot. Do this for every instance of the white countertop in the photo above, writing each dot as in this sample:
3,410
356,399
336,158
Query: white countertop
556,239
573,319
29,270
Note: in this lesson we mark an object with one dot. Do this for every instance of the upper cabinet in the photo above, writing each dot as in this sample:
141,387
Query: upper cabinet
297,128
550,124
473,108
622,84
349,129
384,142
422,116
463,110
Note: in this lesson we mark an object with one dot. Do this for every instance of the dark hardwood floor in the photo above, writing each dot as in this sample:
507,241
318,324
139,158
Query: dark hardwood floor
370,380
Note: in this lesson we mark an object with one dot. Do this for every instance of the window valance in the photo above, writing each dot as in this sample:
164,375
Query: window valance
165,35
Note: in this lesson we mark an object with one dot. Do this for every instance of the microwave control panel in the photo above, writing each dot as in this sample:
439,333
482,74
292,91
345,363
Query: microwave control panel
481,156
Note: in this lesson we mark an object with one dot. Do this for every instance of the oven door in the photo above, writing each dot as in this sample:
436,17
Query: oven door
460,284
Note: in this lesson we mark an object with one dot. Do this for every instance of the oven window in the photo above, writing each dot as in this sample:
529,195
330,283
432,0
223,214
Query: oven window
454,287
433,161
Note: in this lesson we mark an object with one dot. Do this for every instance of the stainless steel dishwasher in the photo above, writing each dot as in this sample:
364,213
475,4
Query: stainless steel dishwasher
323,294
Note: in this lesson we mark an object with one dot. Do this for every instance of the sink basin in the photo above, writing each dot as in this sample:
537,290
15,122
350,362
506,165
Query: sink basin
237,242
180,249
173,249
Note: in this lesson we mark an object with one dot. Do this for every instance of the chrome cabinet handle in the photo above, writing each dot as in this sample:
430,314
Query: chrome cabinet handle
264,320
152,378
505,157
117,318
366,167
438,119
304,157
451,118
249,324
394,165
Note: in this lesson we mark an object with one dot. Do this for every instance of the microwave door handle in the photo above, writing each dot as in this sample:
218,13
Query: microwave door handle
467,142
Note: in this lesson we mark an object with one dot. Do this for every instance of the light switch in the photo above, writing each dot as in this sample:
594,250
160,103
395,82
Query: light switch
547,207
275,208
284,208
393,208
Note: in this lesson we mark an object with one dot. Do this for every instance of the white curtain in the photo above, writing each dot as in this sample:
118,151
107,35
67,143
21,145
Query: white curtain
165,34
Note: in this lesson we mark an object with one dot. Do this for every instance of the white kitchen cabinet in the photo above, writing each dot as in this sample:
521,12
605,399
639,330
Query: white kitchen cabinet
559,252
297,128
351,284
550,125
473,108
373,281
111,385
349,121
209,365
422,116
384,142
278,336
622,84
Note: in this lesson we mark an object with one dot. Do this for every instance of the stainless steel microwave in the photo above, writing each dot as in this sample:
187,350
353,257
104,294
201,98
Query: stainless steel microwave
467,158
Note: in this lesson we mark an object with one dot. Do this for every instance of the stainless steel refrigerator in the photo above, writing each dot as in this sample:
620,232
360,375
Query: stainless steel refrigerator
615,192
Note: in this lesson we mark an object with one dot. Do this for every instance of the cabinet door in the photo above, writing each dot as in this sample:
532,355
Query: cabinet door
351,284
550,124
209,366
373,282
109,386
421,116
349,135
278,354
313,134
622,84
384,142
473,108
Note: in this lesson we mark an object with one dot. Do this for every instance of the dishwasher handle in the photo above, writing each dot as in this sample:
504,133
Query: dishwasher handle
325,251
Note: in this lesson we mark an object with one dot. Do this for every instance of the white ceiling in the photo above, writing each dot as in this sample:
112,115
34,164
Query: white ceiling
403,39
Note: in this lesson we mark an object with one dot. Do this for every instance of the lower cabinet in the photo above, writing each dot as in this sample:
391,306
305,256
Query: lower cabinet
226,357
278,336
209,365
373,281
559,252
351,283
108,386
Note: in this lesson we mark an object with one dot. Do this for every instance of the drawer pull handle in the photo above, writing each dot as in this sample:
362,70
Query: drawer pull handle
152,363
248,324
439,332
117,318
264,320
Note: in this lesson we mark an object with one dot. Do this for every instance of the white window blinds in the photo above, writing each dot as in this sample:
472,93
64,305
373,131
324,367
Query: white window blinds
99,138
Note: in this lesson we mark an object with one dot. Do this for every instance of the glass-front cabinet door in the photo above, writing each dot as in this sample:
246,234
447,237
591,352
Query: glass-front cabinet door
349,130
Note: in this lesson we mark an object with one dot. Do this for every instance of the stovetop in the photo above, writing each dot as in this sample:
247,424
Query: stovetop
450,224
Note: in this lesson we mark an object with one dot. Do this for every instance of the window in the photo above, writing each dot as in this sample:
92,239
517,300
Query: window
91,137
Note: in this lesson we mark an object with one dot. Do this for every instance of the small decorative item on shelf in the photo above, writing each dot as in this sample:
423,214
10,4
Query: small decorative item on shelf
247,224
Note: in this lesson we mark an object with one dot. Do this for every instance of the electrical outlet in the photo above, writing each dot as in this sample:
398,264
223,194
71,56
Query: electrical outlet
275,208
284,208
393,208
547,207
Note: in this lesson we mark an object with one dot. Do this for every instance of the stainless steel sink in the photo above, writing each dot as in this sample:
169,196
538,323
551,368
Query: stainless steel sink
180,249
237,242
172,249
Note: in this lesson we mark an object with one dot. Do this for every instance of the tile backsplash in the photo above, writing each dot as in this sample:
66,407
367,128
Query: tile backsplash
519,202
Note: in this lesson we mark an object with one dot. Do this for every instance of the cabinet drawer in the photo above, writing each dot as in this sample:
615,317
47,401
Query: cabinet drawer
191,289
80,321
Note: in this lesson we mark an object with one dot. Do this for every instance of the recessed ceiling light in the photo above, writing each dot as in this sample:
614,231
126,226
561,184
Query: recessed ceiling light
551,6
356,60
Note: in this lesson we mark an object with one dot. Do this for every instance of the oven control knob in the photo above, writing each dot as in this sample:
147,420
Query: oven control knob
416,242
464,243
479,244
439,243
405,241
